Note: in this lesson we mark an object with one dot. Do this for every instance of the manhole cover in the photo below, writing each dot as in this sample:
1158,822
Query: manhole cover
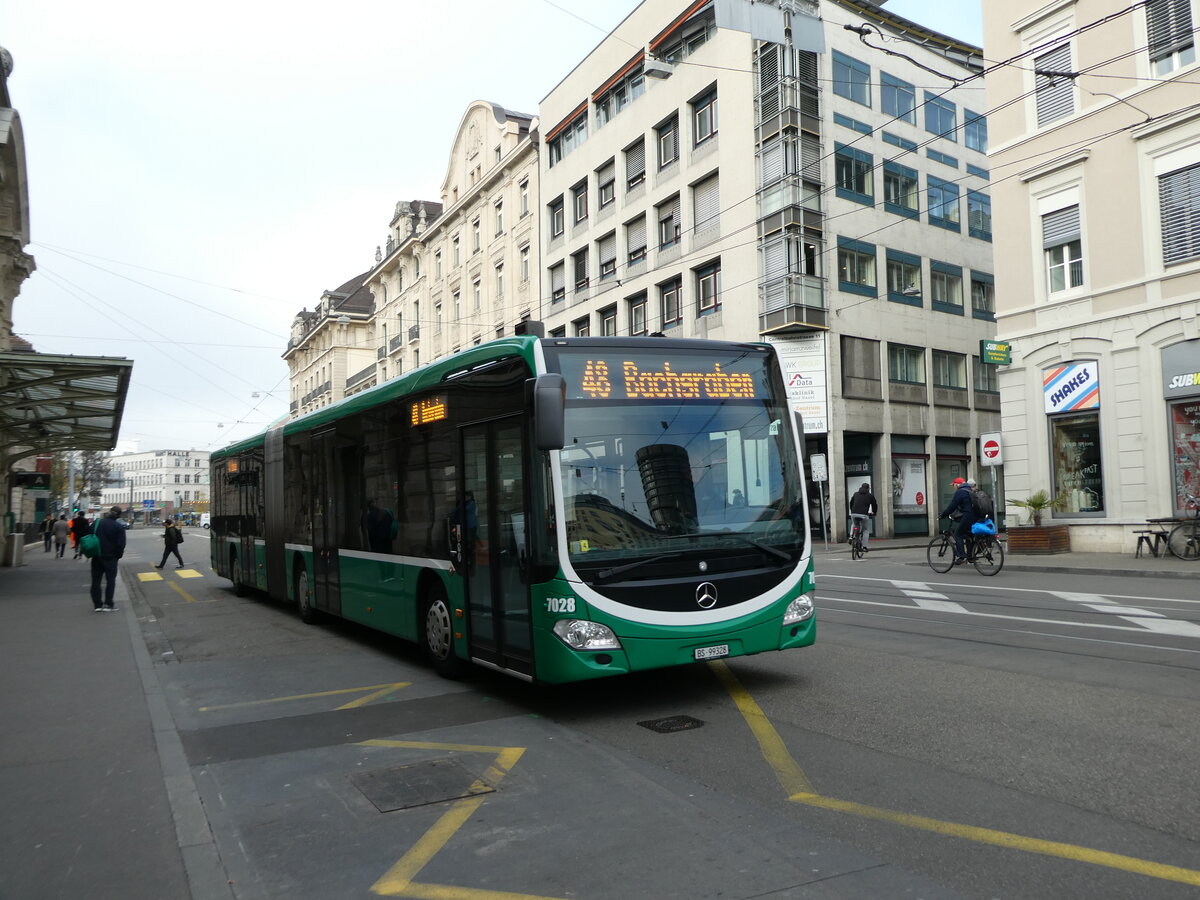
419,784
671,723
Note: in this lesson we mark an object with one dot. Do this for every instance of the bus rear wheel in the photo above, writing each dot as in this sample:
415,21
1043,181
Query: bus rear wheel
439,633
308,614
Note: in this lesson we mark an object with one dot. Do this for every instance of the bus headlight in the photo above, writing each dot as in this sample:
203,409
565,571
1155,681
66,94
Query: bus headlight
579,634
798,610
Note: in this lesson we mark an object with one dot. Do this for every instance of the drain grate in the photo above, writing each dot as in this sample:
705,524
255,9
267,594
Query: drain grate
671,724
419,784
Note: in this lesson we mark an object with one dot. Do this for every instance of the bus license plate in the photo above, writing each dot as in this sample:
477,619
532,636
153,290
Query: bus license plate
712,652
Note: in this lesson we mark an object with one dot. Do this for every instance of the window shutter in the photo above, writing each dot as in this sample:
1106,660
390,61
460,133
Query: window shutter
557,281
768,66
606,174
1179,205
635,161
1060,227
773,165
608,249
775,260
810,159
1169,25
637,234
706,196
1055,96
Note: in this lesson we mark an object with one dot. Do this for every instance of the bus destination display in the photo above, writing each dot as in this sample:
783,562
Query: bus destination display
430,409
593,377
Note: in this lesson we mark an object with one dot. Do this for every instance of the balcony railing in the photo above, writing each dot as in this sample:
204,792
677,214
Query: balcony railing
793,303
359,377
414,332
394,343
381,351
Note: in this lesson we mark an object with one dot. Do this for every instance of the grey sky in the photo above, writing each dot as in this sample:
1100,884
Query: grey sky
196,176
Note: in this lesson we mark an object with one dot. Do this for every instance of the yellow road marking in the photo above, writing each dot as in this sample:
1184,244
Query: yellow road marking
188,573
149,576
181,592
398,880
788,772
379,689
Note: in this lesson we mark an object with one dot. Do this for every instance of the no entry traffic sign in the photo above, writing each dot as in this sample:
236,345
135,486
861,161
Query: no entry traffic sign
989,444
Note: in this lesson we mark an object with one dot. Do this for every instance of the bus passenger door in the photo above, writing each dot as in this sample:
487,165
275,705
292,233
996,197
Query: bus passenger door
494,544
325,514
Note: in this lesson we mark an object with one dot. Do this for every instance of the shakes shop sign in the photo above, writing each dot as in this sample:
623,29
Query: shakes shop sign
1071,387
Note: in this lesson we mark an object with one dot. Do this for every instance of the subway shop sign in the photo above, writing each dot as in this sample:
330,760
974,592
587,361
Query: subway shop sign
1071,387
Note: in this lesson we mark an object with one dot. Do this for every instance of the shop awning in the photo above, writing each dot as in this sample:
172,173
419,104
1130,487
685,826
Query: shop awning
60,402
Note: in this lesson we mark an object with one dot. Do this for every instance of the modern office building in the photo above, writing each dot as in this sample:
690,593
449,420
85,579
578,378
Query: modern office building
158,483
1097,131
811,174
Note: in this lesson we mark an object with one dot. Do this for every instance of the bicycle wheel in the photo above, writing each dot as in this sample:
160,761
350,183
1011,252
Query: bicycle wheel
856,547
989,555
940,554
1184,540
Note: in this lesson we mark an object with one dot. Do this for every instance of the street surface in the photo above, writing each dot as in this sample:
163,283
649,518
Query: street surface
1030,735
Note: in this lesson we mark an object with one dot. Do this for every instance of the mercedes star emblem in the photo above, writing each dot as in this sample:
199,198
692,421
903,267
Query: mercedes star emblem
706,595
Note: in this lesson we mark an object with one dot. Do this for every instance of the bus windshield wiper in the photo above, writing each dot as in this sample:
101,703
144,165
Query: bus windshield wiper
750,542
606,574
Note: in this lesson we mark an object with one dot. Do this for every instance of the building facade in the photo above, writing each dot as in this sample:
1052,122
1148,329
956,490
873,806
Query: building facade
1098,220
459,272
329,350
758,172
159,483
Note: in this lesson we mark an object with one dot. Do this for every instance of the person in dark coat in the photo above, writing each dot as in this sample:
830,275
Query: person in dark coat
173,537
111,535
47,531
863,507
79,527
960,503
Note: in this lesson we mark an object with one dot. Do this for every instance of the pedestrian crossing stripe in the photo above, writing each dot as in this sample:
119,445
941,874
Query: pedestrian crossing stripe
149,576
188,573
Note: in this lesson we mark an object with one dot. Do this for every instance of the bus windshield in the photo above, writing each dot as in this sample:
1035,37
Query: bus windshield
663,458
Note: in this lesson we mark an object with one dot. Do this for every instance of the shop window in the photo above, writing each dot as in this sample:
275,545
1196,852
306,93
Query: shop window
1077,468
1184,417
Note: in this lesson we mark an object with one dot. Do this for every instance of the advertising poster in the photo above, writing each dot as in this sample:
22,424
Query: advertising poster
803,361
909,496
1185,450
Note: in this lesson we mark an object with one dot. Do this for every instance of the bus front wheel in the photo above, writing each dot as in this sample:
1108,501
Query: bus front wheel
308,615
439,634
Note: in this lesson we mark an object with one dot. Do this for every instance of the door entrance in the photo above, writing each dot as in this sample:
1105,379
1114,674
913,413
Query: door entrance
326,501
494,544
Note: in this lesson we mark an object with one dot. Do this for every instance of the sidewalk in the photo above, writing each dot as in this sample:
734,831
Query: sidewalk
912,550
99,801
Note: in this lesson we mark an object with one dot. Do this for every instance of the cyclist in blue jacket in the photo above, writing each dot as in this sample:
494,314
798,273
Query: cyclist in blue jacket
963,513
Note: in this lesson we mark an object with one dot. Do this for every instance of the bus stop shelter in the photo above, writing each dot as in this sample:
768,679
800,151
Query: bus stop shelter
50,403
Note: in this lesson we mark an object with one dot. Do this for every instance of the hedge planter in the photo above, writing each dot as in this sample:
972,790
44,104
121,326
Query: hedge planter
1039,539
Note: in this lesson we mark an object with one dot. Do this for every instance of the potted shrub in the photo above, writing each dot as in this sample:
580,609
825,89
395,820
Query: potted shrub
1035,537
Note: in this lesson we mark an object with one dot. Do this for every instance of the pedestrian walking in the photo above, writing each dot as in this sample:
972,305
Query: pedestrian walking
111,535
79,527
62,532
173,538
47,531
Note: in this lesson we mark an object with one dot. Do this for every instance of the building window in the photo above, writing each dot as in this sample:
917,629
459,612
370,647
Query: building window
1169,26
979,215
940,117
668,223
620,95
1077,464
525,264
854,171
1055,94
668,142
1063,244
635,164
851,79
943,203
608,321
579,265
704,117
579,201
606,184
975,131
906,364
607,251
499,282
568,138
901,190
477,293
708,288
456,256
557,224
987,379
706,205
983,296
945,287
525,198
582,327
558,288
856,267
897,98
559,332
456,298
635,240
437,264
499,207
670,296
637,314
476,243
1179,208
437,319
904,278
949,370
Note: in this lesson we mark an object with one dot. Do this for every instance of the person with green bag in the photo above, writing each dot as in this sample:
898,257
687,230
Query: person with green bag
111,537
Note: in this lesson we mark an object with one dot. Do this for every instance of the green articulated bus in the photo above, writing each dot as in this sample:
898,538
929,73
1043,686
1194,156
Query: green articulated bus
555,509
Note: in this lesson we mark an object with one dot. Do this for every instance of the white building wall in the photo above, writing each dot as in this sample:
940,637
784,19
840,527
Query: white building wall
158,477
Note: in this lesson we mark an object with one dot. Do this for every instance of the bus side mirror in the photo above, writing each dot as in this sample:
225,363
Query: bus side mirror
549,395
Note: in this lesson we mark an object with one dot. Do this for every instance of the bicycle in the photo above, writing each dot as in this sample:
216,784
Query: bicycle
983,550
1184,539
857,550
